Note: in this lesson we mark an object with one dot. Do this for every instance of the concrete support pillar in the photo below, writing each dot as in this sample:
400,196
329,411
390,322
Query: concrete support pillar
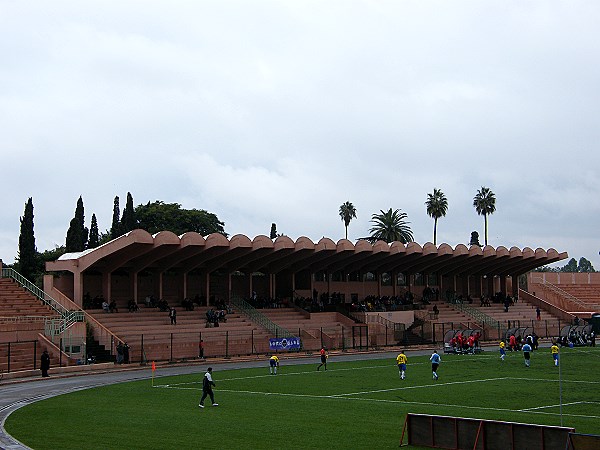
208,289
78,288
229,286
185,282
106,286
134,285
160,285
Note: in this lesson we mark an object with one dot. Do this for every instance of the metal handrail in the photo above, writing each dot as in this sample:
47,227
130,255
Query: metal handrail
53,325
18,319
565,294
477,315
259,318
376,318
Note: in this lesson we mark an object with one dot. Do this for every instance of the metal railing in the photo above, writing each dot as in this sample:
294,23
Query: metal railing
476,314
376,318
260,319
22,319
564,294
53,326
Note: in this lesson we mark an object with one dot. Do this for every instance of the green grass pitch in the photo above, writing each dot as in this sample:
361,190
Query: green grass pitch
354,404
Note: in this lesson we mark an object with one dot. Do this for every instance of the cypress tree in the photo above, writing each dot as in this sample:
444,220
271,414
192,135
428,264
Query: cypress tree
27,259
77,234
115,229
94,240
128,221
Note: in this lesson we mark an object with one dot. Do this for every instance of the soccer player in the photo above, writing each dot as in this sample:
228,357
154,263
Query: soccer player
402,360
207,385
435,363
502,350
554,350
273,364
324,357
527,354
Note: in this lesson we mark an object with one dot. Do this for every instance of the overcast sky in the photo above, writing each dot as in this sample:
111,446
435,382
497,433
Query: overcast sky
280,111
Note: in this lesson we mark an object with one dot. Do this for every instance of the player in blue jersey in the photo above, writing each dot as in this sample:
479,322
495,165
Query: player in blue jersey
435,363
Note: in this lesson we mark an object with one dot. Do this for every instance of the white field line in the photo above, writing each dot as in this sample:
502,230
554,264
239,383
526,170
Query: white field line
371,400
555,406
423,386
280,374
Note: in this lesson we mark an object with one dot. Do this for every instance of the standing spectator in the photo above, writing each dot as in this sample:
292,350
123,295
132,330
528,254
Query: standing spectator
45,363
324,357
173,316
120,353
512,342
125,353
273,364
554,350
527,354
538,312
201,349
207,385
435,363
436,312
401,359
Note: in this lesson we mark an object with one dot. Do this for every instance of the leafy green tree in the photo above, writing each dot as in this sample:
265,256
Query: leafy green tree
390,226
485,204
437,206
94,240
474,239
115,229
52,255
347,213
571,266
160,216
585,266
27,263
77,234
128,221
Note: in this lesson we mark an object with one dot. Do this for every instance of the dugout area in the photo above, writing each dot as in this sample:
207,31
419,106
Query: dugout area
476,434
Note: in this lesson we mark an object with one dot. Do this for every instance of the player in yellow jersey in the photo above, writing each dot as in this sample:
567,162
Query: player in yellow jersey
502,350
554,350
273,364
402,360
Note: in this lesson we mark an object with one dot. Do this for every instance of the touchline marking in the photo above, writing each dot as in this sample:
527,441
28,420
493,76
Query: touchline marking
555,381
555,406
310,372
423,386
336,397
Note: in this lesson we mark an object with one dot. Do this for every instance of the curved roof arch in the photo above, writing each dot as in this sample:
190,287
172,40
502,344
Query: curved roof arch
138,250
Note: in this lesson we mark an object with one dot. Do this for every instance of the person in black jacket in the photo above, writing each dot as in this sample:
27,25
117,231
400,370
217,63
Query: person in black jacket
45,363
207,385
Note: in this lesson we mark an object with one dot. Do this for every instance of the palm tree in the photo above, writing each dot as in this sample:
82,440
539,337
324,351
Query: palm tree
485,204
347,213
390,226
437,206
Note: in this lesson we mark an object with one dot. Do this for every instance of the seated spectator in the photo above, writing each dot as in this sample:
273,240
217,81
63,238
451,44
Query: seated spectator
132,306
105,306
187,304
112,307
